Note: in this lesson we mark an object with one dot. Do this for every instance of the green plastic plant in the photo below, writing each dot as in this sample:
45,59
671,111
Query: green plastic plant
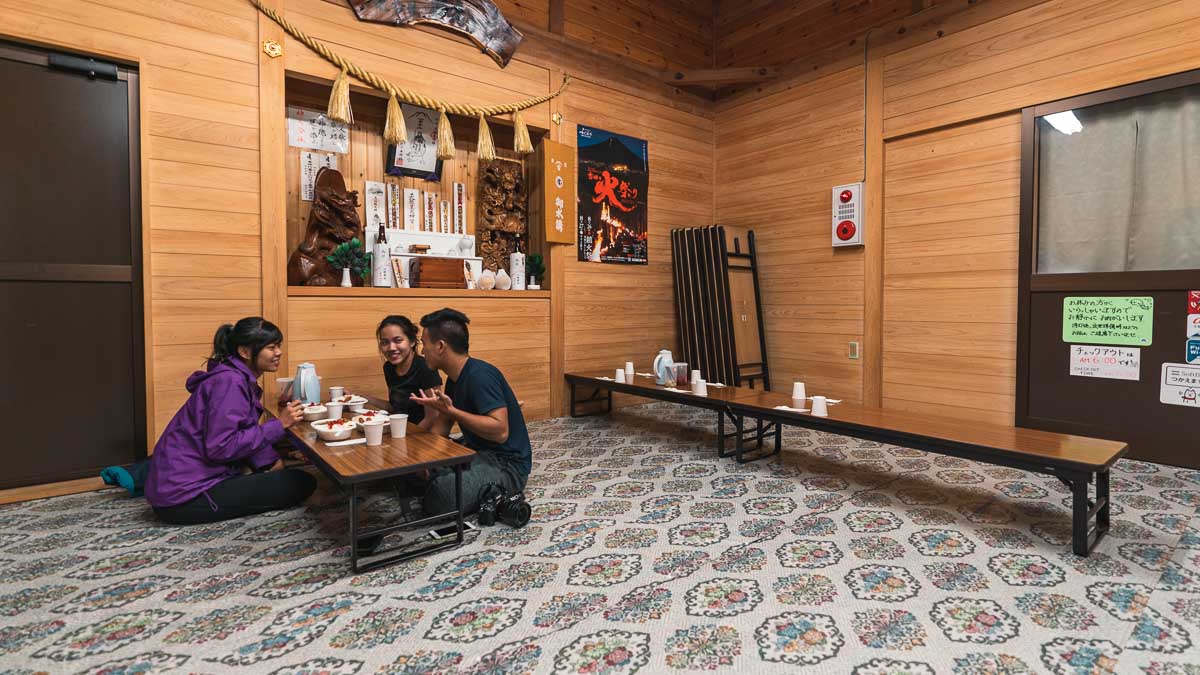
349,254
534,266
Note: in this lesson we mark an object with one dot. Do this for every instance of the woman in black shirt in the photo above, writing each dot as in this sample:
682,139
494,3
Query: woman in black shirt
405,372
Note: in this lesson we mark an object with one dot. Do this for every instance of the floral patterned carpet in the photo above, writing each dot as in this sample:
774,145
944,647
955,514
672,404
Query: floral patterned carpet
646,553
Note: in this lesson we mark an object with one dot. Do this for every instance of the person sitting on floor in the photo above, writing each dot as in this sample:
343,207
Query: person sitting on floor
198,469
479,400
404,371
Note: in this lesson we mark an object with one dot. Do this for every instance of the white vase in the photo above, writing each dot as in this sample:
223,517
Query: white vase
503,281
346,277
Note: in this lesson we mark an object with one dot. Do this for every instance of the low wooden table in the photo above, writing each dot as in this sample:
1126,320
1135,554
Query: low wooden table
352,465
1075,460
718,400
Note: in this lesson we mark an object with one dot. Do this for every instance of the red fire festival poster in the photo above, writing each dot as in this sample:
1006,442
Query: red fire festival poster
614,174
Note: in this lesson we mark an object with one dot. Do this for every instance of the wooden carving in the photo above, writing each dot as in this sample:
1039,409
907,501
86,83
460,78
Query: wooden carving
501,213
479,20
332,220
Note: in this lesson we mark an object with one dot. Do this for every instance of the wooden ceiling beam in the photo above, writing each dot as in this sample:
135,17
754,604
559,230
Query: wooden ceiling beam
719,76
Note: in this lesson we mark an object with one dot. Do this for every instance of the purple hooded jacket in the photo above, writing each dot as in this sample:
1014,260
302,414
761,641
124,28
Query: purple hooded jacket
213,435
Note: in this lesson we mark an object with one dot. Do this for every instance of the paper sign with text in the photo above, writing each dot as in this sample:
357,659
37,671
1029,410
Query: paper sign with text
312,129
310,164
1180,385
1193,325
1108,321
1114,363
1193,302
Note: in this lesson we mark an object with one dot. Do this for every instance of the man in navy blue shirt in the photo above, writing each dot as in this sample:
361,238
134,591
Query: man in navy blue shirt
479,400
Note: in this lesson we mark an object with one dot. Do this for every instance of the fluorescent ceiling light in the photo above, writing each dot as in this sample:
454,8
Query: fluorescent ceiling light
1066,122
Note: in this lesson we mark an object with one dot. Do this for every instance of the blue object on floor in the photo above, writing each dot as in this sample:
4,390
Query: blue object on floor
132,477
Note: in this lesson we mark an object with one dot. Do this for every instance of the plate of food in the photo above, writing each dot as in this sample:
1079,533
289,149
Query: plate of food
353,402
334,429
371,417
315,411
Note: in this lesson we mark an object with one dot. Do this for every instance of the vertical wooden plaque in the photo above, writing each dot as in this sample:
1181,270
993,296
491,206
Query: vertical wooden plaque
552,201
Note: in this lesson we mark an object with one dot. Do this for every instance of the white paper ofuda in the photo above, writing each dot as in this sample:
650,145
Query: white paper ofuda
412,209
430,211
445,213
376,206
460,209
310,164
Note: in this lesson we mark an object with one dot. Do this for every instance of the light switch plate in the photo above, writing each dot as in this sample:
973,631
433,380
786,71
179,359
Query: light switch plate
854,350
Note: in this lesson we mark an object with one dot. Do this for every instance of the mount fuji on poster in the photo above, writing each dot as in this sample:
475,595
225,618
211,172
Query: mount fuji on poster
614,175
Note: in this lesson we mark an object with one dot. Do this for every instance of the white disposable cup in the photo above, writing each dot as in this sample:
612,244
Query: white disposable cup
695,375
336,392
374,433
334,410
798,390
399,425
620,376
819,407
699,387
629,372
356,407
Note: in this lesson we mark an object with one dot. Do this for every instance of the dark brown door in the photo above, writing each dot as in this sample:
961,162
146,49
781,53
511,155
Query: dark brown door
71,352
1123,224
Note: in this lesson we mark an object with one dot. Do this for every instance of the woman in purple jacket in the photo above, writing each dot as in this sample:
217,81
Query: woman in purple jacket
198,472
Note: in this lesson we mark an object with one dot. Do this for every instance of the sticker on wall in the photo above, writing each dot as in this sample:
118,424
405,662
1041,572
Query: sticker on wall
1193,302
1193,351
1109,321
1113,363
1180,385
1193,325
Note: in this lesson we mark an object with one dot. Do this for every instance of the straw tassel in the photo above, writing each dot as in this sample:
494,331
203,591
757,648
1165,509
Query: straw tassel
521,143
339,100
487,147
394,132
445,149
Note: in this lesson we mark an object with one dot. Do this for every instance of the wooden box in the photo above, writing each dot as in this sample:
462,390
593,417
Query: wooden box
433,272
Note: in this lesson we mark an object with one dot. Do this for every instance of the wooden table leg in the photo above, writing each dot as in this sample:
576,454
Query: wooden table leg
354,527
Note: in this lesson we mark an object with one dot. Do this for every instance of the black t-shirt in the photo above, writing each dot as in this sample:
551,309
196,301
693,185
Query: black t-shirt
479,390
402,387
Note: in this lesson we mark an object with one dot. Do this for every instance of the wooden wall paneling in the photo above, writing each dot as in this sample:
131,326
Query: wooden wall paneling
1032,57
949,305
871,352
275,243
670,35
636,300
777,173
338,333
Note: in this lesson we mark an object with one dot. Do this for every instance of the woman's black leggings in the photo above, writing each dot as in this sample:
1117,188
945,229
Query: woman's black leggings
243,496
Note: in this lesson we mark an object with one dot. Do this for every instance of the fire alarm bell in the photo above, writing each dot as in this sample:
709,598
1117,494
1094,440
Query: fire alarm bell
847,215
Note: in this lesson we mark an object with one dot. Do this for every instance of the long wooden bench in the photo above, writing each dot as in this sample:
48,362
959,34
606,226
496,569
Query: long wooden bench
1075,460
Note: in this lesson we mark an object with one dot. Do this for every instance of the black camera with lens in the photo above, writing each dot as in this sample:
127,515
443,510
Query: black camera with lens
495,504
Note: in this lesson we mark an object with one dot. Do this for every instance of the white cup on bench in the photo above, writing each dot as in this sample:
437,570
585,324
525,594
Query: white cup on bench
820,407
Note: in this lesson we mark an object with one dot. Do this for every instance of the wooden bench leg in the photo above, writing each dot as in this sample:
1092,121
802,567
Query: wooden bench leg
1102,515
1079,517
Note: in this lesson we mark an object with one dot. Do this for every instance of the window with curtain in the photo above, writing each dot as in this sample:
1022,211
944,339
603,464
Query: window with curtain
1119,185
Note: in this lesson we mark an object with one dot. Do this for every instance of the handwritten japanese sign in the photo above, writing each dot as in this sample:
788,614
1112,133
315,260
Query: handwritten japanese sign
310,164
1180,385
312,129
1114,363
1109,321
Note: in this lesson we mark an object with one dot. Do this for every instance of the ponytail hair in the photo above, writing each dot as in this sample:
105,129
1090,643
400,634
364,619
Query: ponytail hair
254,332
